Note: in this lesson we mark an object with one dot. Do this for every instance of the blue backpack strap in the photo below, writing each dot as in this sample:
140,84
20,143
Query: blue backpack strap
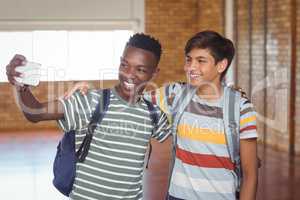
96,118
185,97
231,117
154,118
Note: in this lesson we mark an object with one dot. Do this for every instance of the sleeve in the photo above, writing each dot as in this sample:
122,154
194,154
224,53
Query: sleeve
163,128
78,110
248,128
165,97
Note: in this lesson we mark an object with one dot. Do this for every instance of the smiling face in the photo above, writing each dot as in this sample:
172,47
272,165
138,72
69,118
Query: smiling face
201,68
137,67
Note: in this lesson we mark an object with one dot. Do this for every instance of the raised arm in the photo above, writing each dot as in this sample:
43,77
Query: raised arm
32,108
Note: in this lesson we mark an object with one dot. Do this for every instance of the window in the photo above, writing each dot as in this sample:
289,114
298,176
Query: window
67,55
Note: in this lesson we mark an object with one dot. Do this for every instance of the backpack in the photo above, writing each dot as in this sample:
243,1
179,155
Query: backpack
231,120
64,166
232,99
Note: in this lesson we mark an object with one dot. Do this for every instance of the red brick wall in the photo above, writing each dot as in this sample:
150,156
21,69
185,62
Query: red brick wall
257,56
243,45
251,57
278,65
250,53
13,119
211,15
173,22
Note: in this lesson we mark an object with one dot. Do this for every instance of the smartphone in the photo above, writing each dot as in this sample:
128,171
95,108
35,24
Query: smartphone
31,73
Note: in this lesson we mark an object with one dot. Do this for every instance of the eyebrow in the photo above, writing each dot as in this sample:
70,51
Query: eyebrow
124,60
198,57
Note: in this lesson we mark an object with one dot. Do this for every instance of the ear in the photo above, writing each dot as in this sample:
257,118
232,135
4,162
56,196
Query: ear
154,74
222,65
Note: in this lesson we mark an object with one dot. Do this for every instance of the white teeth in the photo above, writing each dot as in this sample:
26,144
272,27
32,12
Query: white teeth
129,85
195,75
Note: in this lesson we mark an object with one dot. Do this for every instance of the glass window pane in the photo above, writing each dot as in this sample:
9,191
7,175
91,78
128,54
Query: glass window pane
91,51
50,48
13,43
67,55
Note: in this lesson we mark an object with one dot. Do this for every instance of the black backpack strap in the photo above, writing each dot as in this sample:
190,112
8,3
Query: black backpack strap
96,118
154,117
153,111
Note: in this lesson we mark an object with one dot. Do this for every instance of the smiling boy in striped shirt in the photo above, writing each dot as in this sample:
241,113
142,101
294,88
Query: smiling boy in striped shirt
114,166
203,168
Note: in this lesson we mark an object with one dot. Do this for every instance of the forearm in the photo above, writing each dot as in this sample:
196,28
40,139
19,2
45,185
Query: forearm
248,152
249,186
34,110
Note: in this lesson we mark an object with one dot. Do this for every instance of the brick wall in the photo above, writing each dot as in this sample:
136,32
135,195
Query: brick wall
243,45
211,15
263,50
257,64
278,65
250,53
173,22
257,56
13,119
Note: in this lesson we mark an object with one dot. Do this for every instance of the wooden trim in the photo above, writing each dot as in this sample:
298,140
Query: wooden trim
236,34
223,17
250,29
292,96
265,67
29,25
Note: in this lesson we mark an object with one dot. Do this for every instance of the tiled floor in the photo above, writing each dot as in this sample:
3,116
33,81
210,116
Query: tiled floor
26,170
25,166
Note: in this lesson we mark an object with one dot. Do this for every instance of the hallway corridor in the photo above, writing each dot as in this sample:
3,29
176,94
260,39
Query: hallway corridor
26,169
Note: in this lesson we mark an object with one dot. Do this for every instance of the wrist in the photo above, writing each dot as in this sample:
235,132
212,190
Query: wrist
22,88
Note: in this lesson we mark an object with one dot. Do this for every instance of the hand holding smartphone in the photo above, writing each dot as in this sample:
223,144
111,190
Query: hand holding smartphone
31,73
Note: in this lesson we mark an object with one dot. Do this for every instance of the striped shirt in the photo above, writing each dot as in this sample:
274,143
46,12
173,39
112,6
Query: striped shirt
203,169
113,168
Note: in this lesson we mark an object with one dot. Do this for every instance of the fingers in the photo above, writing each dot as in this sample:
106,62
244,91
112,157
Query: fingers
16,61
11,79
69,93
84,91
10,71
83,88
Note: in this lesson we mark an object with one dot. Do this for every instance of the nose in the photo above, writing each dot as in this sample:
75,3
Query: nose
190,66
131,72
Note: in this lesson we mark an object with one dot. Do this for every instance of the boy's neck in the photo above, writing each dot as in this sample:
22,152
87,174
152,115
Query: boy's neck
211,92
130,99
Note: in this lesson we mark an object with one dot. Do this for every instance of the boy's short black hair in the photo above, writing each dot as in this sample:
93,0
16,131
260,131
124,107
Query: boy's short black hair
219,46
146,42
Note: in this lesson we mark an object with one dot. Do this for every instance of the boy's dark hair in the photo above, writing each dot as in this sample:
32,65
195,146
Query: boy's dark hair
146,42
219,46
